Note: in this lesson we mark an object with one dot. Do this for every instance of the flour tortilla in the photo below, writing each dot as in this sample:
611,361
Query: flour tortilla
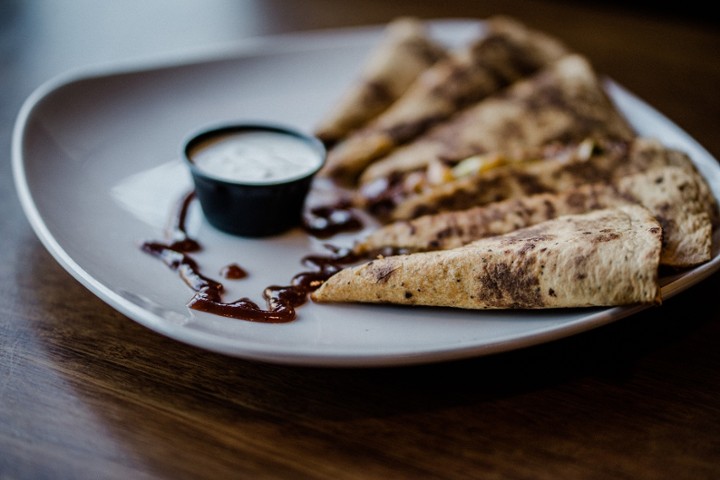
673,195
404,53
610,161
562,103
600,258
508,52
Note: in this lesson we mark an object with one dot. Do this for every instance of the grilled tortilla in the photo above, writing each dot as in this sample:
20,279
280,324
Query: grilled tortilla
508,52
404,52
563,103
673,195
608,161
600,258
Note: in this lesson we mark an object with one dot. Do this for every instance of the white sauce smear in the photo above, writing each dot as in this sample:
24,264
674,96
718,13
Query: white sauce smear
255,156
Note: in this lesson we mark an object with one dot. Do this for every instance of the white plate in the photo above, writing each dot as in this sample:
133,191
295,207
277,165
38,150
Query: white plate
96,164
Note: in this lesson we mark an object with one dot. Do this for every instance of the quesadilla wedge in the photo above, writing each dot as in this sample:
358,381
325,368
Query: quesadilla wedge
671,193
507,52
607,161
600,258
562,103
405,51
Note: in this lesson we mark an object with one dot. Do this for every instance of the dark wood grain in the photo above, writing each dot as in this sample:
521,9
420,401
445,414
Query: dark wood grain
87,393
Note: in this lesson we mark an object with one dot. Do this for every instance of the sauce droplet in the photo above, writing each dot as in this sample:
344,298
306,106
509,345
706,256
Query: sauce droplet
233,272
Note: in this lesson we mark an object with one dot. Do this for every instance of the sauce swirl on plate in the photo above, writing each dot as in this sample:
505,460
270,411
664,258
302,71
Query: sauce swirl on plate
281,301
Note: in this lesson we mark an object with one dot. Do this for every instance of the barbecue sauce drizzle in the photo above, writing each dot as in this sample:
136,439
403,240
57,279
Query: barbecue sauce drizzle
327,220
281,300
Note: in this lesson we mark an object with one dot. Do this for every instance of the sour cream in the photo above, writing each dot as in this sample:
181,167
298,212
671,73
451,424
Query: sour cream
255,156
252,179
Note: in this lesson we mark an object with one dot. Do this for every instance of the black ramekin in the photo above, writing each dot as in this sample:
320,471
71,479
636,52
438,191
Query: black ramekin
252,209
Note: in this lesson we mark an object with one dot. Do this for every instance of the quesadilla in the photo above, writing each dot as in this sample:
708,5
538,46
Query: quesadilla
507,52
673,195
607,161
405,51
600,258
564,103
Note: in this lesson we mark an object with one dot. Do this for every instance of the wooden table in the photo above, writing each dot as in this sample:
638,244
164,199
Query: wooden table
87,393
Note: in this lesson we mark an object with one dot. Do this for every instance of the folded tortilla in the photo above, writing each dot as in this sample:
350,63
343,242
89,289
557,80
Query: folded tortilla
405,51
673,194
607,162
600,258
562,103
507,52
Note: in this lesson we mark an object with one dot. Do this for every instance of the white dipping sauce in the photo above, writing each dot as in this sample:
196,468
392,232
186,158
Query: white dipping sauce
255,156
